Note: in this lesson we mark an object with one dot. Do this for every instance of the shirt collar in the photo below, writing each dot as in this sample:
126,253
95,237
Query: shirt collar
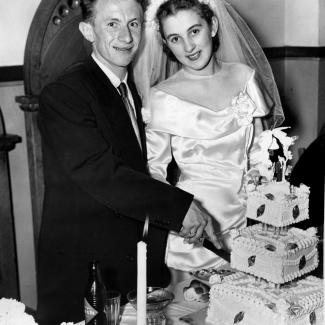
114,79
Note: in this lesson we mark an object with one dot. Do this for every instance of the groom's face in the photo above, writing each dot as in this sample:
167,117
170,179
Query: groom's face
116,32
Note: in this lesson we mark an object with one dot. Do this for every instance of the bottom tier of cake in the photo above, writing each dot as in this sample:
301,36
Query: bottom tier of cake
250,301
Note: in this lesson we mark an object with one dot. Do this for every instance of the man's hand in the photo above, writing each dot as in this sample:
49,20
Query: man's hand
195,222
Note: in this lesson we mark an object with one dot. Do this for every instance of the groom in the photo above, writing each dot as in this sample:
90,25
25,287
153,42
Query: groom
97,188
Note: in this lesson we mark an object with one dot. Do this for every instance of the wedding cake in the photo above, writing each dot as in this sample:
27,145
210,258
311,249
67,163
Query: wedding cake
271,255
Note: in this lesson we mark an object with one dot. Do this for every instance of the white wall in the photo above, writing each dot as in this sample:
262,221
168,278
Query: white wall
278,23
15,19
302,23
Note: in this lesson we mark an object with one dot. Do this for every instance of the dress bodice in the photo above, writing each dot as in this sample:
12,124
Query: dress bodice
203,141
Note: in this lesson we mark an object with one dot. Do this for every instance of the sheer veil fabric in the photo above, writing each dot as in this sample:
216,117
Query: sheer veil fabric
237,44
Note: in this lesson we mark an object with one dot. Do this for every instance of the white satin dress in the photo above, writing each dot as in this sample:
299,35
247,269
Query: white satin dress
207,124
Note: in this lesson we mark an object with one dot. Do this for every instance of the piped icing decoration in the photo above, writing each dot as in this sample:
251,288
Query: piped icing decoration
311,232
233,232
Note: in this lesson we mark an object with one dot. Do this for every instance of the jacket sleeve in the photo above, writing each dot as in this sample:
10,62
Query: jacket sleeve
69,128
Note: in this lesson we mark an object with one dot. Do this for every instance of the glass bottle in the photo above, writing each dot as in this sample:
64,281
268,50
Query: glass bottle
95,297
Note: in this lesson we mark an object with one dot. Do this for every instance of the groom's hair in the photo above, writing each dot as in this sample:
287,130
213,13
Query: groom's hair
172,7
87,8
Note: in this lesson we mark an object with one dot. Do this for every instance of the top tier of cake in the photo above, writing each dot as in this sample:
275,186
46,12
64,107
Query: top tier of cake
271,199
278,203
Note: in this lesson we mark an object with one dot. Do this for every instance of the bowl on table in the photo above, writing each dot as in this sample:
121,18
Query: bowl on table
157,299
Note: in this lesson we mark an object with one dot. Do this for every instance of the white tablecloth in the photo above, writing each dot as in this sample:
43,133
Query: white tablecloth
178,308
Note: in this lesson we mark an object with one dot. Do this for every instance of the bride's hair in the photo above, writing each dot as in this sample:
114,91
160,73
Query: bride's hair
172,7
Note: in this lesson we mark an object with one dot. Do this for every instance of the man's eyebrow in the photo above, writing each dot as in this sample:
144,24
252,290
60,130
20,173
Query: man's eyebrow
119,20
193,26
112,19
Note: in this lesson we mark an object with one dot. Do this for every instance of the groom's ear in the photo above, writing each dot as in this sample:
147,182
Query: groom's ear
214,27
86,30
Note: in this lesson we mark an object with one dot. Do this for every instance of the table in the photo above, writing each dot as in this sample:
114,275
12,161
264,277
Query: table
178,308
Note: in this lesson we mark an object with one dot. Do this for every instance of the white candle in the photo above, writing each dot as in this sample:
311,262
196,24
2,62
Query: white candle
142,284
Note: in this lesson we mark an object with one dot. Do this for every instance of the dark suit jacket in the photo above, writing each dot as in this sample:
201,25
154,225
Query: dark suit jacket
97,194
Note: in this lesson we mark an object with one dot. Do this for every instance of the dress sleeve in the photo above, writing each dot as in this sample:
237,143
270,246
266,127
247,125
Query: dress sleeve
158,145
258,93
255,148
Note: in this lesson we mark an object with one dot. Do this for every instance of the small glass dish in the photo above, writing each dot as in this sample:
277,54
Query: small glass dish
157,299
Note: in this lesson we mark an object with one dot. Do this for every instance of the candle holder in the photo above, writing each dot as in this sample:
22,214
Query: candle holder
157,299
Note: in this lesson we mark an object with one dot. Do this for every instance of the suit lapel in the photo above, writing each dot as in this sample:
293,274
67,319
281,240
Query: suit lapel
116,115
141,126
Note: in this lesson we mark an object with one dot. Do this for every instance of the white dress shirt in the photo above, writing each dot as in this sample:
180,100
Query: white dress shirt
115,80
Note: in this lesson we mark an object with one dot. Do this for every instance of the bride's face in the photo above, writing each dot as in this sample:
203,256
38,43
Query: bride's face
189,37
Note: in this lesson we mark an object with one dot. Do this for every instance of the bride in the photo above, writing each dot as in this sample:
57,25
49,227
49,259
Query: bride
212,94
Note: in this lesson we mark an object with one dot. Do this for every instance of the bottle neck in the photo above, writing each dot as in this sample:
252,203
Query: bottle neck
94,271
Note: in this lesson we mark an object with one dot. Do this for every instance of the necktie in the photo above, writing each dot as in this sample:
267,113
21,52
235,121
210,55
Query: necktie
124,94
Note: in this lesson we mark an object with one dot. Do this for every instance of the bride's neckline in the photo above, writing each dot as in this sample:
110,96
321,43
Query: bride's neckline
194,76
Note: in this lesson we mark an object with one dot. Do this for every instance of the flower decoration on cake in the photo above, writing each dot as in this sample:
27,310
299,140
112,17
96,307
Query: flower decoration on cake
197,291
303,189
282,306
270,141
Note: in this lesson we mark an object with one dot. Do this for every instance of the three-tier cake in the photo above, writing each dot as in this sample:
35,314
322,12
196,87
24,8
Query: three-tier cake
272,256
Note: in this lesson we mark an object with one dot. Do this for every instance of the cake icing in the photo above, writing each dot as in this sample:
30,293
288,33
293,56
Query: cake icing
248,300
278,203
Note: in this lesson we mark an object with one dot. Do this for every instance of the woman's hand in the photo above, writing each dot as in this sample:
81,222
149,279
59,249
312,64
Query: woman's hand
195,222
